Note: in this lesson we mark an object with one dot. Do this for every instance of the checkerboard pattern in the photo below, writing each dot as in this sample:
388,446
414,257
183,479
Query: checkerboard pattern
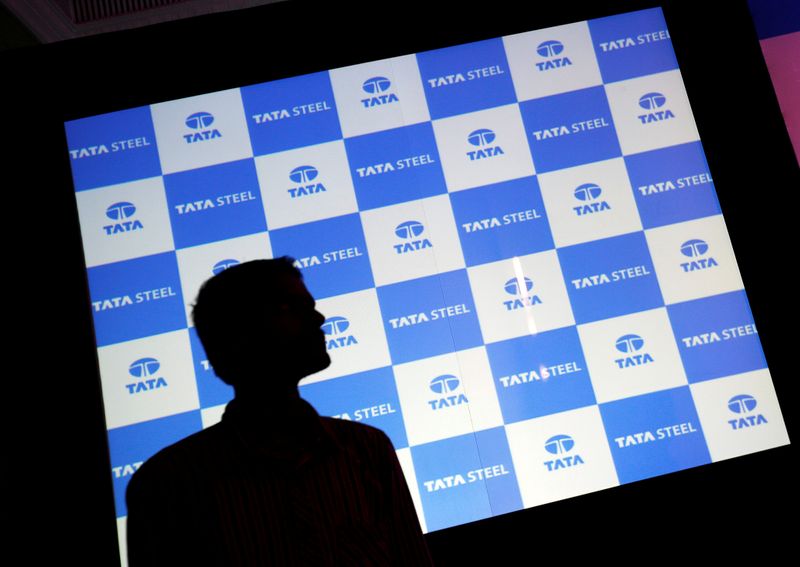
517,243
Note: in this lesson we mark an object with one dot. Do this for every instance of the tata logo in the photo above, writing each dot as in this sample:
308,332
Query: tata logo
145,369
696,249
200,122
121,213
335,329
305,176
589,195
446,386
483,139
743,405
223,265
654,102
377,87
551,49
630,345
410,231
561,446
520,289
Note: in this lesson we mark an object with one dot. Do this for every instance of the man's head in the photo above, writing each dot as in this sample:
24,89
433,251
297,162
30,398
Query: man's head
259,325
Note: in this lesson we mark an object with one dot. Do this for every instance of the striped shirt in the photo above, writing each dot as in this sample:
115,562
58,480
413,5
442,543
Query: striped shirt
251,491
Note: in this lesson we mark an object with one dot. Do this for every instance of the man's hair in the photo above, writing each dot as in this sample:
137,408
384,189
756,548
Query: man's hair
231,307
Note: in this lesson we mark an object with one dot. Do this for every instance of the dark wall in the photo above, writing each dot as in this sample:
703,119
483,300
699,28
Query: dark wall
59,470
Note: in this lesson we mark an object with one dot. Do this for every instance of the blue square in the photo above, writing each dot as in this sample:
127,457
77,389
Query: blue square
716,336
214,203
610,277
136,298
466,78
570,129
466,478
542,374
369,397
112,148
395,166
429,316
131,445
332,254
501,221
211,390
632,45
291,113
672,185
654,434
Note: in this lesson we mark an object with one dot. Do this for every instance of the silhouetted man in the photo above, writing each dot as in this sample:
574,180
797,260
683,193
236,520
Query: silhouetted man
273,483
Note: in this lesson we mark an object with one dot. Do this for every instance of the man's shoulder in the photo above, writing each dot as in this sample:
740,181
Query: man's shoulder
354,433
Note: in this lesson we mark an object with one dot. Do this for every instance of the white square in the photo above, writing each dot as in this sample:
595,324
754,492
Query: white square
147,379
551,61
448,395
694,259
199,263
640,129
201,130
379,95
407,464
124,221
356,340
739,414
589,202
305,185
560,456
520,296
212,416
412,240
483,147
632,355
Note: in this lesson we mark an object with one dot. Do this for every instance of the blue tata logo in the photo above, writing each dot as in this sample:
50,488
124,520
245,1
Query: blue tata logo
305,176
653,102
145,370
446,385
743,405
409,231
335,329
696,250
693,248
335,325
512,286
120,212
631,345
483,139
521,290
550,48
560,445
377,87
223,265
589,194
200,122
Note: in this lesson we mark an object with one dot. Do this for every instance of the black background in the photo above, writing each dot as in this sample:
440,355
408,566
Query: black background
57,457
